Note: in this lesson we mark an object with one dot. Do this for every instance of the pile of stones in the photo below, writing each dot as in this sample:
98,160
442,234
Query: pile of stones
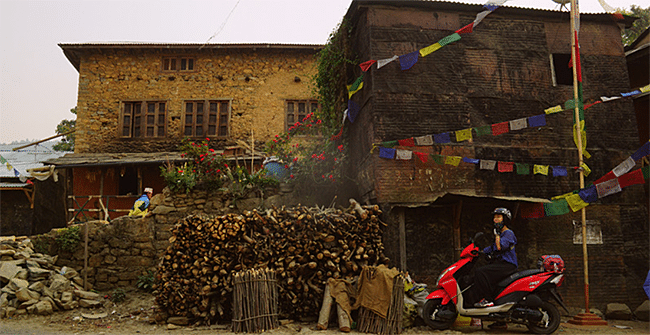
32,283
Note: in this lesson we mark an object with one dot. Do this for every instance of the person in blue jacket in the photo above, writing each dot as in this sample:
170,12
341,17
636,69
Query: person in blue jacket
140,207
504,256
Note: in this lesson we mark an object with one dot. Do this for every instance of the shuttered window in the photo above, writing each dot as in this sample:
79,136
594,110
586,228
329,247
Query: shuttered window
206,118
143,119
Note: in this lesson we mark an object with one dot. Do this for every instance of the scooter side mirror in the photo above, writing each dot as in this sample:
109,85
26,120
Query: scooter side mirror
476,237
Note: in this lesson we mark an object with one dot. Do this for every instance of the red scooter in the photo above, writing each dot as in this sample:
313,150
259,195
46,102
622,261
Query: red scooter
523,297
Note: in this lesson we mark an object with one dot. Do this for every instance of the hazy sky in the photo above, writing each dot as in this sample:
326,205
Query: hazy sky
38,85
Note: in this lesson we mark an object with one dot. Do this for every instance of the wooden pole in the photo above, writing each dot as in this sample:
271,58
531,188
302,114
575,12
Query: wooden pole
402,238
86,259
575,17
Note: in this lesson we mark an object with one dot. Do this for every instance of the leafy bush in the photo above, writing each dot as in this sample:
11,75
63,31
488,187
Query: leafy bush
146,281
118,295
67,239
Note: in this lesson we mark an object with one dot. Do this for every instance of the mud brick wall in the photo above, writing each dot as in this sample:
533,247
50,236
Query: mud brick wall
257,81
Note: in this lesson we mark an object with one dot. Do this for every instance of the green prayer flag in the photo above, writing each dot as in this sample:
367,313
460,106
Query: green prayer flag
523,168
438,159
646,172
2,160
483,130
449,39
356,84
557,207
389,144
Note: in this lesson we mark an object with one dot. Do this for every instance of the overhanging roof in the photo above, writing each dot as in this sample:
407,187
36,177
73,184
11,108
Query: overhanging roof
72,51
105,159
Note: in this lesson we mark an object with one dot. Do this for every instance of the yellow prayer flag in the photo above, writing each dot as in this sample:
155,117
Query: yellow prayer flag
565,195
575,202
427,50
585,169
643,89
540,169
9,167
464,135
583,134
453,160
351,93
552,110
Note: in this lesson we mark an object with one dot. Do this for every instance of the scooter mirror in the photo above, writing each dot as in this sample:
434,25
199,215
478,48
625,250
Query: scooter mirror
476,237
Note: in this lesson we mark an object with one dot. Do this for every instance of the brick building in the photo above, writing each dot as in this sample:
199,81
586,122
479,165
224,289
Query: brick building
144,98
513,65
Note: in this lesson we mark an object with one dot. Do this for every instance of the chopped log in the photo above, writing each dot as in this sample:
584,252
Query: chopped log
344,319
326,309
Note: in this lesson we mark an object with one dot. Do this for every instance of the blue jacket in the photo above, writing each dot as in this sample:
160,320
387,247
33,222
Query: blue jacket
508,254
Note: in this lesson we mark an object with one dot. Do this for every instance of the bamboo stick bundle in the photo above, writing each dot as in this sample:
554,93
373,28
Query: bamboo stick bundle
255,307
370,322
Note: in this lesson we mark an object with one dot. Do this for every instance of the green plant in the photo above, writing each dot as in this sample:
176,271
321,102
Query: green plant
204,168
42,243
241,182
67,239
118,295
146,281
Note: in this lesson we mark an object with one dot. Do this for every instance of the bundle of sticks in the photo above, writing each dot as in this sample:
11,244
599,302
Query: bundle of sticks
255,301
304,246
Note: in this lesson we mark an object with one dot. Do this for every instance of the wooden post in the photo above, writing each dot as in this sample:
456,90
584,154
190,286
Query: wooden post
326,309
86,259
402,237
457,243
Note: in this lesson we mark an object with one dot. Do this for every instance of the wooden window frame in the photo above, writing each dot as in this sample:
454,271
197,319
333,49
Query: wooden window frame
214,118
178,64
143,119
292,112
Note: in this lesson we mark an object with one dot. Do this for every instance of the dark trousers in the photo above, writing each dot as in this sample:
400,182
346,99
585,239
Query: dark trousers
487,277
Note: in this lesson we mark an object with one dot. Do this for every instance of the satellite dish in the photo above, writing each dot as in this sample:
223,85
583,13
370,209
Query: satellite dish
562,2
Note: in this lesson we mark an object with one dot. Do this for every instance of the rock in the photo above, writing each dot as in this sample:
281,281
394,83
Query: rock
54,305
86,303
19,312
16,284
60,284
66,297
594,311
8,252
94,316
37,286
27,303
4,299
23,294
642,312
163,210
43,308
36,273
70,305
10,311
8,270
171,326
618,312
87,295
68,272
178,320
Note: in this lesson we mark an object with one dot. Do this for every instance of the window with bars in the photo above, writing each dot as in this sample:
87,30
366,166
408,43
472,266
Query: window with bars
178,64
298,109
206,118
144,119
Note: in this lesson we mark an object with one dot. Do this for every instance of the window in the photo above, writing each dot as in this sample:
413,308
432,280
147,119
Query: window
298,109
178,64
206,118
144,119
561,70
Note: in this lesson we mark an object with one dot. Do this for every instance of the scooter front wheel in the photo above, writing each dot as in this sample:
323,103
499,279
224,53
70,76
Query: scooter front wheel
439,316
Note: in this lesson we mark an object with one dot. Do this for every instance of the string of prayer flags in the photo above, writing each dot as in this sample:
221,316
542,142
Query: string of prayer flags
464,135
439,159
559,171
382,62
522,168
483,130
540,169
486,164
365,66
537,121
506,166
355,86
556,207
500,128
408,60
441,138
518,124
589,194
431,48
353,110
424,140
452,160
575,202
403,154
386,153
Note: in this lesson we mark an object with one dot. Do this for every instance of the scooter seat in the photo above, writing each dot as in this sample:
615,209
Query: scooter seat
517,275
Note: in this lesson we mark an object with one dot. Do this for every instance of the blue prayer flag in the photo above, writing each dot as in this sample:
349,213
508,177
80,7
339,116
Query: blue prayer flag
470,160
635,92
589,194
407,61
642,151
441,138
386,153
537,121
559,171
353,110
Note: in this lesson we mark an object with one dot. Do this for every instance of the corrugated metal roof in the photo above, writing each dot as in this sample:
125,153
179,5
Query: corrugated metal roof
103,159
28,158
17,186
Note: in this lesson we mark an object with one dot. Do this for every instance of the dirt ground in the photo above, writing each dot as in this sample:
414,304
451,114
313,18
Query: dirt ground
135,316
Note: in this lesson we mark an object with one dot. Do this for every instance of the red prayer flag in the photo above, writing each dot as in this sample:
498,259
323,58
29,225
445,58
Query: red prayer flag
534,210
424,157
466,29
366,65
631,178
409,142
610,175
506,166
592,104
578,66
500,128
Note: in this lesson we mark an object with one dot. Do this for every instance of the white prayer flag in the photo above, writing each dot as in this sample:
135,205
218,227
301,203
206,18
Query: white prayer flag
487,164
382,62
518,124
608,187
624,167
403,154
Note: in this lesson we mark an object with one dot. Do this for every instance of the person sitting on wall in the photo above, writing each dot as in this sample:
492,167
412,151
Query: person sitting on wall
140,207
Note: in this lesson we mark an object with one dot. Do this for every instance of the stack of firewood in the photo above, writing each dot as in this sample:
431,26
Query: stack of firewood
304,246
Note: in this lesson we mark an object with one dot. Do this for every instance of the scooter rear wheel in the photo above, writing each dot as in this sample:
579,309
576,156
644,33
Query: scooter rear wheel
549,325
432,317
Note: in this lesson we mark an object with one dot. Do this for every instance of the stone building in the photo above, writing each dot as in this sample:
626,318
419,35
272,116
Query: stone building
512,65
145,98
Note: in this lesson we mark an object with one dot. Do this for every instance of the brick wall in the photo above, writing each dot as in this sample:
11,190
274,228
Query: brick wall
257,81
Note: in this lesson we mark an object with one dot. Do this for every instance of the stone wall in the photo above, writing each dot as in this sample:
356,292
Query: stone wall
258,82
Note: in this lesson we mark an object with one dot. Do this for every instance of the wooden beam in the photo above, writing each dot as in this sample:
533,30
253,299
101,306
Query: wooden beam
402,237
